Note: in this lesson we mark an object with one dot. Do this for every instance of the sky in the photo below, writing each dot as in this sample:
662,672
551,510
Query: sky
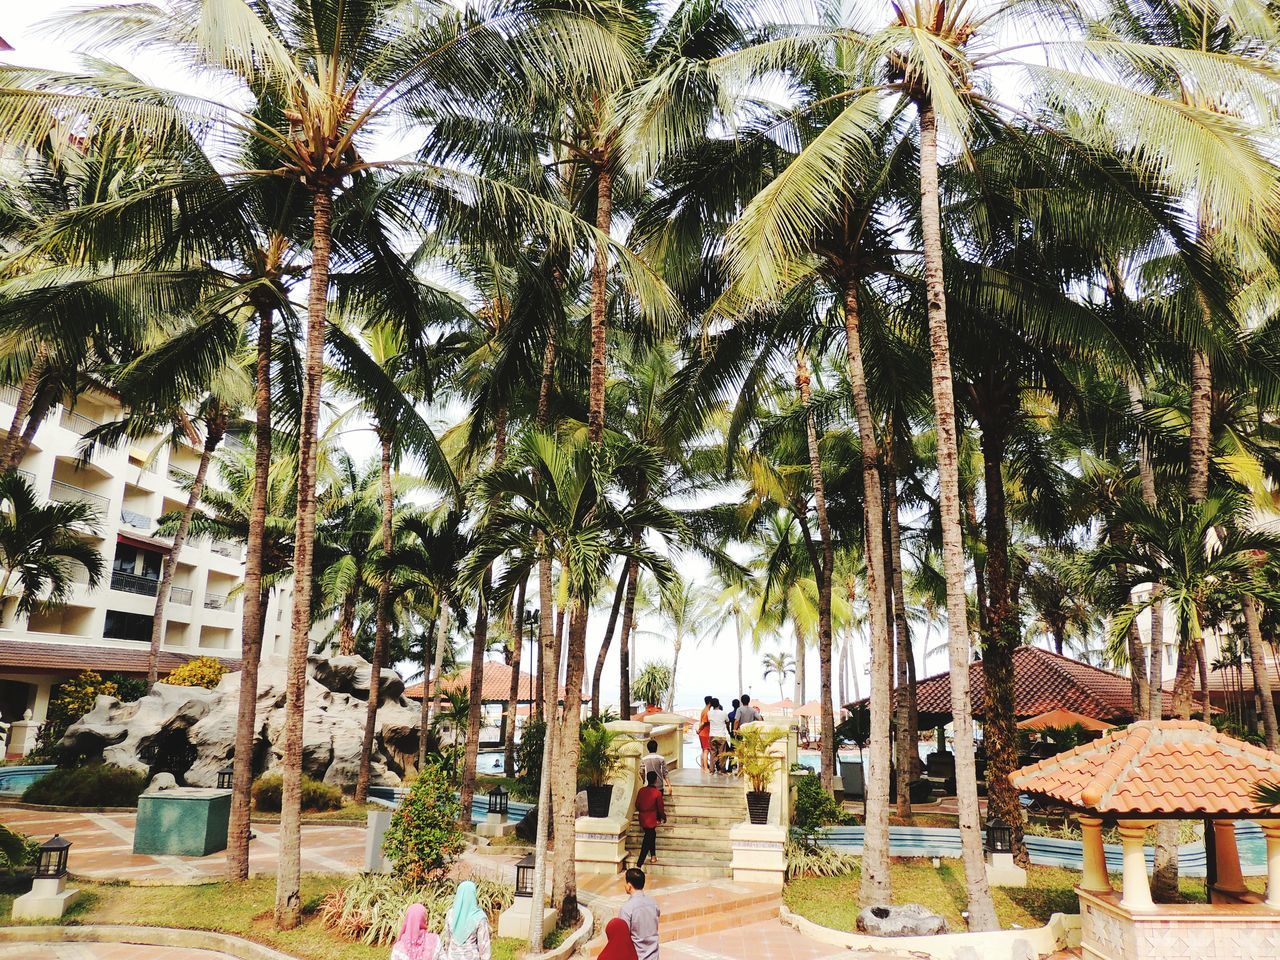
708,661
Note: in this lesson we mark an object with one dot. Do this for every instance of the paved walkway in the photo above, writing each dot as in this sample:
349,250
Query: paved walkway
102,848
103,951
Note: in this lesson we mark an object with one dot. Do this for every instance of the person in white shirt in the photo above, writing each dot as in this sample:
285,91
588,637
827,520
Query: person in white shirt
719,734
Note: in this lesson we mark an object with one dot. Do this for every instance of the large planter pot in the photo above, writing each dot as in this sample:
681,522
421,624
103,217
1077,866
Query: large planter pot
598,799
758,805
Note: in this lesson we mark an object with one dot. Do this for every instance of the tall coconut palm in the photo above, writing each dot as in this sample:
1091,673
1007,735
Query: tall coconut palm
780,665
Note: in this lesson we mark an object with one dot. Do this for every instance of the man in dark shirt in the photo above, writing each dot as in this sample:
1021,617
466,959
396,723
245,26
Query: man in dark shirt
651,811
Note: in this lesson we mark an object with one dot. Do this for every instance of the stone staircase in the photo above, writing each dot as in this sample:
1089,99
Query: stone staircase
694,843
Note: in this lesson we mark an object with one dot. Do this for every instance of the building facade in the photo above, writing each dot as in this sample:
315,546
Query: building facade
108,628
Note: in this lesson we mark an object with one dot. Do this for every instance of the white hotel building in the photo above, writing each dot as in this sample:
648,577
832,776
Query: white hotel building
108,629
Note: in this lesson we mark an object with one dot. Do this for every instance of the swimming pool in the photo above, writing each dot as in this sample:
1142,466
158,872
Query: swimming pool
14,780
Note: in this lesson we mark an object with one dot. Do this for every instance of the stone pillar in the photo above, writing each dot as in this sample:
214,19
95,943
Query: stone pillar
1137,887
22,737
1230,880
1271,830
1094,878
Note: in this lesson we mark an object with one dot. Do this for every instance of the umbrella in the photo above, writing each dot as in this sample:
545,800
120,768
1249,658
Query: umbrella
811,709
782,706
1063,718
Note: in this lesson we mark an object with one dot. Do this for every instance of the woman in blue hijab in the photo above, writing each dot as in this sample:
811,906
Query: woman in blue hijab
466,928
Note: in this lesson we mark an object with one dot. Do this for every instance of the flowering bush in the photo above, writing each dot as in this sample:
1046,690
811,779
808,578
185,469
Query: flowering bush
424,837
201,672
71,700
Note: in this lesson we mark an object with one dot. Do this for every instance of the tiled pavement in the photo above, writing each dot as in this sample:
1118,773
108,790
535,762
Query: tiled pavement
102,951
770,940
102,848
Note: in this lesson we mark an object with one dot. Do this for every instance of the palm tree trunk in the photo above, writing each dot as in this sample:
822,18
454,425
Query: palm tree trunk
347,622
382,629
875,886
625,650
255,610
513,702
982,914
14,446
550,671
424,709
1155,671
479,643
900,618
1199,428
675,663
607,641
288,908
1202,666
824,572
904,740
1261,679
565,891
442,640
216,427
999,728
600,303
800,675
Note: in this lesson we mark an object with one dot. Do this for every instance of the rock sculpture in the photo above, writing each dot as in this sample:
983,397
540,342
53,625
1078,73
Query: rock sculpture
201,723
904,920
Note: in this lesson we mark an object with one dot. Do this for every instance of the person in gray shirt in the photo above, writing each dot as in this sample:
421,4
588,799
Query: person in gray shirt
641,913
747,713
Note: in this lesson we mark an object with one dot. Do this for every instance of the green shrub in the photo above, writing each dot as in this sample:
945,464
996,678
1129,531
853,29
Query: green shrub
128,688
93,785
424,837
371,906
806,858
17,850
814,806
529,759
317,797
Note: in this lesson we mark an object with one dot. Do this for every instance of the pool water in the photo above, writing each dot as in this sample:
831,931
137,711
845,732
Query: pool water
14,780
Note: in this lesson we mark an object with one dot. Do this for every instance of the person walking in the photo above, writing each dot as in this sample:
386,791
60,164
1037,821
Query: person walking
618,942
650,811
466,928
654,762
704,735
719,723
641,914
415,942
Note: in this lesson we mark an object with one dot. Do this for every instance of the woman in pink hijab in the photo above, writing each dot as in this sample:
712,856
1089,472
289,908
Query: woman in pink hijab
415,942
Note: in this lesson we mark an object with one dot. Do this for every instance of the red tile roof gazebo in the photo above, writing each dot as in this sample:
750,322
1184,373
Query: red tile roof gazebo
1043,681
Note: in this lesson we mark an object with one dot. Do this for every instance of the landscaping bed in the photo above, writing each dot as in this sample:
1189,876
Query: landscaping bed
833,901
244,910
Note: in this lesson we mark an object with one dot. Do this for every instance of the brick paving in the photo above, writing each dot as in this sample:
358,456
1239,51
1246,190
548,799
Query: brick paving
102,848
103,951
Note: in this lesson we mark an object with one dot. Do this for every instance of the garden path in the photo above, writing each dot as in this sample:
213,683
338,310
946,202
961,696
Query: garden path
102,848
103,951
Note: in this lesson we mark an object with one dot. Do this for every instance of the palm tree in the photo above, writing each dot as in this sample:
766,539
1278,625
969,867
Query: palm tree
41,545
684,607
780,665
551,502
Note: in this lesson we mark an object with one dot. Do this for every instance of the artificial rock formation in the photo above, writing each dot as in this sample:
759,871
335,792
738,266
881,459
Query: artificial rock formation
198,726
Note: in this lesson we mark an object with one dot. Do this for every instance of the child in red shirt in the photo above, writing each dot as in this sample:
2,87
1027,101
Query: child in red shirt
651,811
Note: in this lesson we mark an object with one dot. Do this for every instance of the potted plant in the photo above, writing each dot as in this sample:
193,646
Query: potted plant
598,763
652,685
758,766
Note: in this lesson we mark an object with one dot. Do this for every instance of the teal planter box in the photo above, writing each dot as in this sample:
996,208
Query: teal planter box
182,822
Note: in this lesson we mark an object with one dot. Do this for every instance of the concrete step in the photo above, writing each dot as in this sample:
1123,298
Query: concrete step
692,848
689,858
700,870
683,831
676,909
717,921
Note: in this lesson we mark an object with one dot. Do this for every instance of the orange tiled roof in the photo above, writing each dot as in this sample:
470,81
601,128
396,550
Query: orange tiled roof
495,685
1042,681
1165,767
31,655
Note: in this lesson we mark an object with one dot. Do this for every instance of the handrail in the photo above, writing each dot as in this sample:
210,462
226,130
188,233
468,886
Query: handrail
219,601
180,595
78,422
130,583
70,493
225,548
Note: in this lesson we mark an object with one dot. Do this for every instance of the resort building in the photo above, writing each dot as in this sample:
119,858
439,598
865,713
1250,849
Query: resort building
108,629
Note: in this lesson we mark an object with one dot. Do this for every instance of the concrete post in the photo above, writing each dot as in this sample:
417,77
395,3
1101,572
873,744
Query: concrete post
1271,830
1137,887
1227,857
1094,877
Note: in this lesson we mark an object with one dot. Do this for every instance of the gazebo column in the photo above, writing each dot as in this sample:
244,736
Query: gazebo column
1094,878
1137,888
1227,858
1271,830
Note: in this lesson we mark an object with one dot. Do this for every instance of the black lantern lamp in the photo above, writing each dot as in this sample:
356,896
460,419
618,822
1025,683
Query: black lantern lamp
225,776
524,876
51,859
498,800
999,836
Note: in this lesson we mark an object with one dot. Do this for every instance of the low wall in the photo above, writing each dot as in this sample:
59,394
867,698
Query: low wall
1044,851
222,943
1062,931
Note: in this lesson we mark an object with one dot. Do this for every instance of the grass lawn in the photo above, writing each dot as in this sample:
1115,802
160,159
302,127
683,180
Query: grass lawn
833,901
244,910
